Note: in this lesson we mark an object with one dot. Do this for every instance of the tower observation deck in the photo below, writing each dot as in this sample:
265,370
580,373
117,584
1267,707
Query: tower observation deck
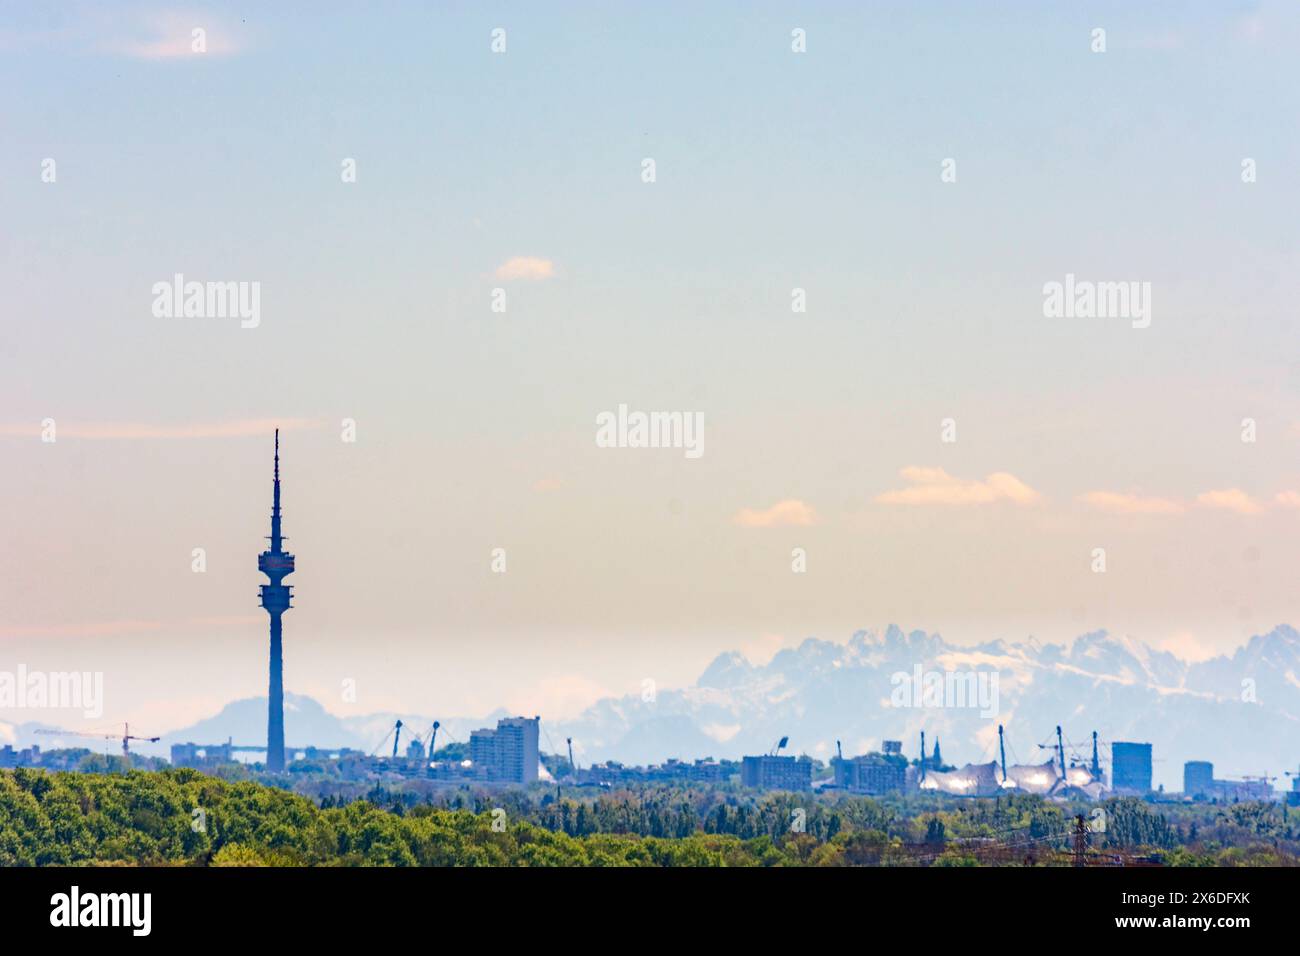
276,564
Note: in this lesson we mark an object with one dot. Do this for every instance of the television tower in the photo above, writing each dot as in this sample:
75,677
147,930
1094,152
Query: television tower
276,564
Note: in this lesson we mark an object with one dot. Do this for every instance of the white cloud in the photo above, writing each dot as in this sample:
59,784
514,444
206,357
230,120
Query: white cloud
934,486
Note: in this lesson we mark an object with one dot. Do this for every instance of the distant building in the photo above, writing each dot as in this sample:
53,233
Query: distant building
613,774
1198,781
1230,791
709,770
1130,768
62,759
507,754
873,773
1198,778
27,757
776,773
202,756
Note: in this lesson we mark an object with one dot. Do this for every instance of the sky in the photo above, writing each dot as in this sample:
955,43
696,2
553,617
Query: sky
920,172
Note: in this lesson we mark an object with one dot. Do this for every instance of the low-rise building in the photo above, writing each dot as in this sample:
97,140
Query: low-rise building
1199,783
873,773
769,772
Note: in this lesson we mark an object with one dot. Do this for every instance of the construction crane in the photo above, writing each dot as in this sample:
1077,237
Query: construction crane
780,745
126,737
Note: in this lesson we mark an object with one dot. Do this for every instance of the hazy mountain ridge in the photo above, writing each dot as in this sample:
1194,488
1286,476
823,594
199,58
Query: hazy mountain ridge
244,723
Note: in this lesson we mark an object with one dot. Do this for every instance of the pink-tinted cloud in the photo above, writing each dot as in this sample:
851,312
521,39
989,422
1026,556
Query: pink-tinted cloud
526,267
790,512
1287,499
1230,499
1127,504
934,486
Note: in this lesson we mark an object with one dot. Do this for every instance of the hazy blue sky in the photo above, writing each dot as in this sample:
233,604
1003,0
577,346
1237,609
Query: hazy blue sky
475,429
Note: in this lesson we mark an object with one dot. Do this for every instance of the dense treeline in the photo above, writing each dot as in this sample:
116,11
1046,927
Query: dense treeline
182,817
151,818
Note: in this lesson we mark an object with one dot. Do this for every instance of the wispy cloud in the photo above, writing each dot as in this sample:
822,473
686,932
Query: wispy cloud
177,35
1230,499
1287,499
934,486
1127,504
790,512
147,430
526,267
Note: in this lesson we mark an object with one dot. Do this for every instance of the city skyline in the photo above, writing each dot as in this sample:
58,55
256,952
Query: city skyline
1192,712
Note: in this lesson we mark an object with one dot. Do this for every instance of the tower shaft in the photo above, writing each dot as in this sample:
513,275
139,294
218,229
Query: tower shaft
275,701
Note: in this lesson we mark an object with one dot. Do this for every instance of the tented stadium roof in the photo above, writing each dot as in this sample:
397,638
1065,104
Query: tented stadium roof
985,779
972,780
1034,778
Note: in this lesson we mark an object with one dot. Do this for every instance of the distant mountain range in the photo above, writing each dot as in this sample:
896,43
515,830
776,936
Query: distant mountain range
1240,711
